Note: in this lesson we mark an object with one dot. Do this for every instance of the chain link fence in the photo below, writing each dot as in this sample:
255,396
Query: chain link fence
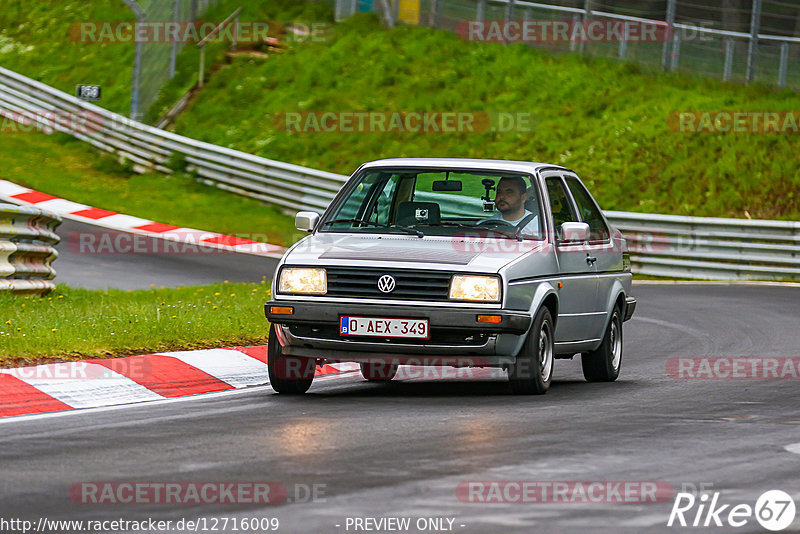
732,40
155,60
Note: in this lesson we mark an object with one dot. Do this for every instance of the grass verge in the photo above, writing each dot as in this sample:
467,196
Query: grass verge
606,119
62,166
74,324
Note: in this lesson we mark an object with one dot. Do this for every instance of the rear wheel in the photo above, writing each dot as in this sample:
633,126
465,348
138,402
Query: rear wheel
532,371
378,372
603,364
288,374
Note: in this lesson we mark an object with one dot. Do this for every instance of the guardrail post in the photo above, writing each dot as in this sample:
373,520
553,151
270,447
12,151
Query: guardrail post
726,74
509,10
573,44
670,31
784,65
387,13
137,60
676,51
437,12
173,53
202,69
623,44
235,32
752,52
587,14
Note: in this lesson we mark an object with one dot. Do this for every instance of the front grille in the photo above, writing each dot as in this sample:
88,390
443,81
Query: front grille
409,284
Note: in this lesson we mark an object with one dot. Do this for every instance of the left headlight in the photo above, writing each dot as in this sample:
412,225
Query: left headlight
475,288
304,280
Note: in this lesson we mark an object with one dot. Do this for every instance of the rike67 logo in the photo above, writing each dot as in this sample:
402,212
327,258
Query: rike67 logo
774,510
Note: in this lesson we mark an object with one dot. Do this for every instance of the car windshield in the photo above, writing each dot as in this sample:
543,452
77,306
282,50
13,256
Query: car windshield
439,202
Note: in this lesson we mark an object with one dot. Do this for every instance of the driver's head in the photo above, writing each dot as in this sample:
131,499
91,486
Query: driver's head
510,197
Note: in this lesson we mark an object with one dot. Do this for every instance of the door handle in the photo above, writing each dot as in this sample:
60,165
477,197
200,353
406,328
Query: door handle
591,259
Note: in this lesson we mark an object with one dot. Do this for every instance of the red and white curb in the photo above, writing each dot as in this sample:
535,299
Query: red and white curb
97,383
16,194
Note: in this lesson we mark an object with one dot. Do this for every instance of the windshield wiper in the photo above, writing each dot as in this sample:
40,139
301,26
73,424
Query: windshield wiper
379,225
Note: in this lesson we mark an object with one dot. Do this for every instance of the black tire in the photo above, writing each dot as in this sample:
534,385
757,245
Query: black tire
378,372
532,371
604,364
288,374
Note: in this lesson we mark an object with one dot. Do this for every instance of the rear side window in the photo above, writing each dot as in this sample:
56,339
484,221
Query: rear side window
559,203
590,212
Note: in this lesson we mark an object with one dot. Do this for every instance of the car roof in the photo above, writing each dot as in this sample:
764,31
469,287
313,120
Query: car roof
462,163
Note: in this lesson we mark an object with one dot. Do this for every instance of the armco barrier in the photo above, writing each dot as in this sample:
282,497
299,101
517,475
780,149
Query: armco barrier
662,245
710,248
27,238
149,148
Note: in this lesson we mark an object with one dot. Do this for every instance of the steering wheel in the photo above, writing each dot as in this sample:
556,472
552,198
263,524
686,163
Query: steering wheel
495,223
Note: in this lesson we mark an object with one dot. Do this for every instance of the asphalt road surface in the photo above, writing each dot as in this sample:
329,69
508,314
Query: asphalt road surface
401,450
91,265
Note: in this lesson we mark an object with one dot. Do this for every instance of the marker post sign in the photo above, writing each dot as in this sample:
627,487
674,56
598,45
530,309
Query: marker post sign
90,93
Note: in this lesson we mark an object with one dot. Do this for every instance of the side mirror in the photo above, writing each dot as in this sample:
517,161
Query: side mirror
574,231
306,221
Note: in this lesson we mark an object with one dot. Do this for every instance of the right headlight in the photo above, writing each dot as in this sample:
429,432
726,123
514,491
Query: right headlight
475,288
303,280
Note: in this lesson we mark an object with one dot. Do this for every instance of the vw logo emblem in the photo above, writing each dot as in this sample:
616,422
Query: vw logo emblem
386,283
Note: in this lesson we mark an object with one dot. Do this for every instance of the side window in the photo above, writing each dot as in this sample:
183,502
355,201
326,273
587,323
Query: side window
559,202
590,212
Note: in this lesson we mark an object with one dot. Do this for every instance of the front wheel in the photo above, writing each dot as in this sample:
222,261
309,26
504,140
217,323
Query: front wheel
603,364
288,374
532,371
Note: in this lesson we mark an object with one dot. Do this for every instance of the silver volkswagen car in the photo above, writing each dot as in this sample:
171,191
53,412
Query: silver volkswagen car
452,262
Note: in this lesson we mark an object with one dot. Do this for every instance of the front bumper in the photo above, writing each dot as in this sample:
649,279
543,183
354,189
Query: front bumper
313,331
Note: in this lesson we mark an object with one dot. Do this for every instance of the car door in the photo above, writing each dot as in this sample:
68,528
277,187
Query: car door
608,262
577,308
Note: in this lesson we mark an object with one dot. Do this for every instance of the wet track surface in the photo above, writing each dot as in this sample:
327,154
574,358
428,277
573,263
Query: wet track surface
402,449
88,263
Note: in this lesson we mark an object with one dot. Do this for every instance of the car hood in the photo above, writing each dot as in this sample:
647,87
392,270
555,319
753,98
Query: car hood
448,253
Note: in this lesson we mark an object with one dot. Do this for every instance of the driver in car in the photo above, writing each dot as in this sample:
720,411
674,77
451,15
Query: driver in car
509,200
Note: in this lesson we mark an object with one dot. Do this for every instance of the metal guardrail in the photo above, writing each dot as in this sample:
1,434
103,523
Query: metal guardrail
662,245
710,248
27,240
149,148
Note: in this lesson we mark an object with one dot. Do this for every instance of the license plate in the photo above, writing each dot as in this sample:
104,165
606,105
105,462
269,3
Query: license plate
382,327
